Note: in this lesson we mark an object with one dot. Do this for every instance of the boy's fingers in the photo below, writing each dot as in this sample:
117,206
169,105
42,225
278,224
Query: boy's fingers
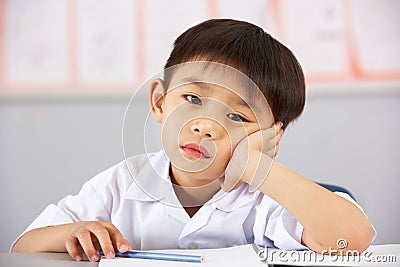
279,124
103,237
236,186
227,185
273,130
122,245
276,150
271,136
73,250
278,136
85,240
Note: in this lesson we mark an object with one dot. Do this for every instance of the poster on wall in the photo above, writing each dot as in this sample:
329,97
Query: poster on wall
115,46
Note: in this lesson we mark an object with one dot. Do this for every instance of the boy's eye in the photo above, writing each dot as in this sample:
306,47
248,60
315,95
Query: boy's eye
193,99
236,117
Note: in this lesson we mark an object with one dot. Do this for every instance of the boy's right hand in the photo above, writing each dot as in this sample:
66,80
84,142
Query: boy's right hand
260,148
91,236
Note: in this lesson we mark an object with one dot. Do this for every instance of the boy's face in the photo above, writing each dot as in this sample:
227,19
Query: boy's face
204,115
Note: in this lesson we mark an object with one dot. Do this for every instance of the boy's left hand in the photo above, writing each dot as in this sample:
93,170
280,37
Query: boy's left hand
255,151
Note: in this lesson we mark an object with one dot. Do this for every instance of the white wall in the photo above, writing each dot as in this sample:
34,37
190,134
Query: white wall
49,147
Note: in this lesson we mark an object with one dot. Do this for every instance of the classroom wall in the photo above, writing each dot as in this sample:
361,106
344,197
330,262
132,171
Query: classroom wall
48,148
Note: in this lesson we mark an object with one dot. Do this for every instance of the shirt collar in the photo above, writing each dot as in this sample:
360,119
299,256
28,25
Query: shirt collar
152,183
235,199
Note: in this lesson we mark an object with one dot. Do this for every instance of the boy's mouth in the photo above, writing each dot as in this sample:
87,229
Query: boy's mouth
196,150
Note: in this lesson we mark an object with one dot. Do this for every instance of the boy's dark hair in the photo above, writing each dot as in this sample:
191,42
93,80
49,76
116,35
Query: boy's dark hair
248,48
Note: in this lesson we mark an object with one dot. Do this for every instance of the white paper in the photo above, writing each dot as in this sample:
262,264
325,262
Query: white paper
385,255
234,256
36,41
314,30
106,44
376,34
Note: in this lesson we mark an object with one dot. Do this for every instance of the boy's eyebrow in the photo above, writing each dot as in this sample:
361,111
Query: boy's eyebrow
250,106
204,85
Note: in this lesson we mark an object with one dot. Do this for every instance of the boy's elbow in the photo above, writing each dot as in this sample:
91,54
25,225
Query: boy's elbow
15,248
18,247
21,245
360,237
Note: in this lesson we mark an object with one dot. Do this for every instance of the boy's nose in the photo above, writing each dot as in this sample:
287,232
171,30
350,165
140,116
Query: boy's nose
207,128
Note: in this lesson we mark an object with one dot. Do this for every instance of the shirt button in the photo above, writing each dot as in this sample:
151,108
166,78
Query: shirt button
193,246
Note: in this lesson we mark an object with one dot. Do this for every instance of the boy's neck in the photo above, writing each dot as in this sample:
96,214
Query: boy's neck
194,196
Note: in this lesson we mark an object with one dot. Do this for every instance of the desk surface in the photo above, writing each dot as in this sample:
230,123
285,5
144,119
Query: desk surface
41,260
378,256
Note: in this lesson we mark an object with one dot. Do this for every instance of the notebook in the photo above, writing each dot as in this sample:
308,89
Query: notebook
253,255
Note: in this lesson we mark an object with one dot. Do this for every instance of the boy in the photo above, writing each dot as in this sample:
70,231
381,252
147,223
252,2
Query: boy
218,131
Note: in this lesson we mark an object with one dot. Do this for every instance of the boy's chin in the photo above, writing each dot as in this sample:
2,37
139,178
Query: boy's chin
202,180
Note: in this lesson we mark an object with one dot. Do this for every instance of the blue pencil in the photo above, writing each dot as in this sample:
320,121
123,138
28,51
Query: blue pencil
157,256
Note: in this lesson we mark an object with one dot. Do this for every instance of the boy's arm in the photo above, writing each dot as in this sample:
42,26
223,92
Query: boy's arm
325,216
74,238
44,239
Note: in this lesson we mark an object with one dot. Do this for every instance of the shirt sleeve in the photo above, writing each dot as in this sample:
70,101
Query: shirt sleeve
276,227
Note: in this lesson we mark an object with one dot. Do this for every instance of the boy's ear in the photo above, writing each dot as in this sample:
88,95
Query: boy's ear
157,97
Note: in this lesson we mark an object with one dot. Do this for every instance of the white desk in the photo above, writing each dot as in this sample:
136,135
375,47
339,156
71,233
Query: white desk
236,256
41,260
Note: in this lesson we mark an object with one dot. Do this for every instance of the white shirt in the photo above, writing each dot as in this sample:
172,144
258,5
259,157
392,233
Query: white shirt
134,196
